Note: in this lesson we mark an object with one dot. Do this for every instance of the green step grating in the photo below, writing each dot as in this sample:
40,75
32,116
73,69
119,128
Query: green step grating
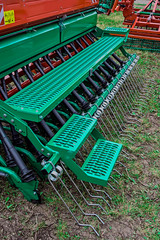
100,162
72,135
38,99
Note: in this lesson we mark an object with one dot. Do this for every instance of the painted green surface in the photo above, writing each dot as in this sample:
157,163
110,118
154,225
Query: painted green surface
74,26
101,160
18,48
72,135
39,98
28,189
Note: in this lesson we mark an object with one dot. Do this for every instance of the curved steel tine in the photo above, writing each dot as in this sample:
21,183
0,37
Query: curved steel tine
98,190
104,132
121,164
89,204
95,196
117,172
111,186
125,156
115,130
91,145
125,152
114,180
80,224
84,213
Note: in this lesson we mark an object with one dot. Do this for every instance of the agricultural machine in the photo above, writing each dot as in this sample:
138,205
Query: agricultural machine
67,89
144,23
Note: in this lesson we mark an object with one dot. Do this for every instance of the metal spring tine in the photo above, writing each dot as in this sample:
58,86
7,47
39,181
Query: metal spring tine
132,82
95,196
89,204
125,152
115,129
114,115
114,180
121,164
118,123
98,190
103,130
135,82
111,186
84,213
80,224
138,77
128,95
120,118
109,122
125,155
117,172
129,89
126,106
91,145
126,100
120,107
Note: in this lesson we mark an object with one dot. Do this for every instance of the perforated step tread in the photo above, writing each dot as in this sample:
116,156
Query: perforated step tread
101,160
39,98
72,135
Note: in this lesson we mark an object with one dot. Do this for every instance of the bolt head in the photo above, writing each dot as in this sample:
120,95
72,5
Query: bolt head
4,115
12,120
20,131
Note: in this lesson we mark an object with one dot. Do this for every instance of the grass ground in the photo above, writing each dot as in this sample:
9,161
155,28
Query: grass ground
135,210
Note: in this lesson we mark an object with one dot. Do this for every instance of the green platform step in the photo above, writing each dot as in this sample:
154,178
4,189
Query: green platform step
35,101
101,160
69,139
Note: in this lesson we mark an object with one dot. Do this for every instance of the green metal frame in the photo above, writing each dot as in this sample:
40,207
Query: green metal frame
28,189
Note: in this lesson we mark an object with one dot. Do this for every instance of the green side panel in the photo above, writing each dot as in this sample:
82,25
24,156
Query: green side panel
100,162
39,98
72,135
17,49
79,24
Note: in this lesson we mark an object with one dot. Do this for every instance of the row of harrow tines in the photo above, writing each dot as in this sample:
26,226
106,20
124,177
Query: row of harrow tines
60,116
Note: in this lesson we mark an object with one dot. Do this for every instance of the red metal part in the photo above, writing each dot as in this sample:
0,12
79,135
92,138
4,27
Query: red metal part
143,23
30,12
